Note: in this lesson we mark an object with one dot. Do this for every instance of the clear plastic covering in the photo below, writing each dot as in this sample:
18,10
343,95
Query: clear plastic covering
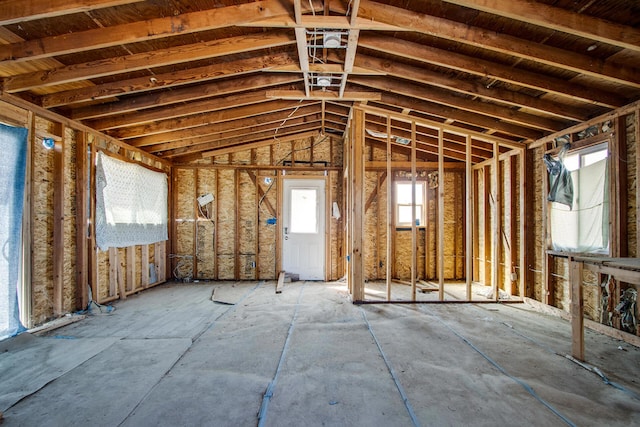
560,182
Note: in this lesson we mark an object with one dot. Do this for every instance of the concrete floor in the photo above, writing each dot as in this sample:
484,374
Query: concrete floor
308,357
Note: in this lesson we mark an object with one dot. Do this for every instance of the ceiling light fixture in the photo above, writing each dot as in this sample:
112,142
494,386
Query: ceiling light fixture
323,81
332,40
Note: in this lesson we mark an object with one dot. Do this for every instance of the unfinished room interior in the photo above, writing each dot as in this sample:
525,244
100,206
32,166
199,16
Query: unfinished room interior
319,212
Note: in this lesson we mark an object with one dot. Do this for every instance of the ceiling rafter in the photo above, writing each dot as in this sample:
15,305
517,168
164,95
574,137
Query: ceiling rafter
238,69
168,80
446,98
486,68
213,128
244,134
502,43
559,19
472,88
140,61
186,94
15,11
140,31
461,116
185,109
191,121
257,144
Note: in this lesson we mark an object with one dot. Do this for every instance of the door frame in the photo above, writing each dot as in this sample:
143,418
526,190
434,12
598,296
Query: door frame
282,176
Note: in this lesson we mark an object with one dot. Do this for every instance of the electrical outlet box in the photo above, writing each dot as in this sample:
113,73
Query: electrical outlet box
205,198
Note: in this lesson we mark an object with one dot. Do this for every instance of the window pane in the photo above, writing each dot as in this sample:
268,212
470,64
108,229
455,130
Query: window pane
403,193
404,215
304,210
572,162
591,158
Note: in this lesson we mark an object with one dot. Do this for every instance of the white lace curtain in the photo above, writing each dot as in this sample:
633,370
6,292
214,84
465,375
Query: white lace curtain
131,204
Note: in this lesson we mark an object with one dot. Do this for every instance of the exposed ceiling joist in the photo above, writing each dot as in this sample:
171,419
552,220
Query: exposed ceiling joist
217,70
559,19
502,43
176,78
140,61
484,68
140,31
15,11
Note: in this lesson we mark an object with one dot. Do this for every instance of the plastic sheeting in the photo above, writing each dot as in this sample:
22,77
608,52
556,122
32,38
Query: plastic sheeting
560,180
13,145
131,204
585,226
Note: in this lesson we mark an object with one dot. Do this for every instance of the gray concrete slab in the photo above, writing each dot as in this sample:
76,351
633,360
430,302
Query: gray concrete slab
28,363
172,356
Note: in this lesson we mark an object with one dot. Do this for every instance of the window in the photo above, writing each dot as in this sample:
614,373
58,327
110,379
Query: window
584,227
304,210
403,204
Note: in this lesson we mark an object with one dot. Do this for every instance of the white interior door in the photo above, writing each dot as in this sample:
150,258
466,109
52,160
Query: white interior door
303,226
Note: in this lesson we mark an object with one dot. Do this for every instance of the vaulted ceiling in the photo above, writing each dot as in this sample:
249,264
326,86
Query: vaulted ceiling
182,78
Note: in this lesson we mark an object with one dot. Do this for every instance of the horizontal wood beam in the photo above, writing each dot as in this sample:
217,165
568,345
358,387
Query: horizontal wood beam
205,119
441,97
405,165
320,95
324,21
16,11
140,31
328,68
559,19
461,116
485,68
189,94
502,43
274,134
179,110
445,127
167,80
258,144
235,135
468,87
145,60
220,128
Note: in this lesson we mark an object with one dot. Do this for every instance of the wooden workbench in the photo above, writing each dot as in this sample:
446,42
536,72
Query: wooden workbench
622,269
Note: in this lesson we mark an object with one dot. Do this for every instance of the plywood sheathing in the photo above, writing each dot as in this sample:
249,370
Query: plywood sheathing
337,225
245,243
225,224
247,227
185,197
205,226
267,232
42,228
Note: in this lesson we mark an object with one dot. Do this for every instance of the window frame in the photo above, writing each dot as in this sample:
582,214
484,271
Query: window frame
422,218
581,152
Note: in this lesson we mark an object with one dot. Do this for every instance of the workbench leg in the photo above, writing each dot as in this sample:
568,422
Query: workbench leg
577,309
